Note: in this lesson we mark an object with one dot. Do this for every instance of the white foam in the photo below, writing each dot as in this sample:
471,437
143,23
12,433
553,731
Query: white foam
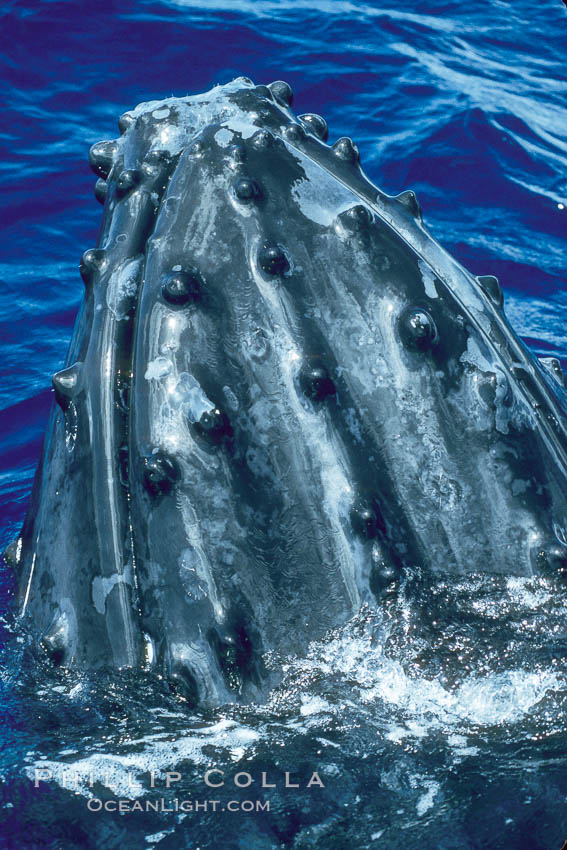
426,801
127,775
480,700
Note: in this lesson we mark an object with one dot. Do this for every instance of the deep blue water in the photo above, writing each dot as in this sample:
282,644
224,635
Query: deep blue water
463,102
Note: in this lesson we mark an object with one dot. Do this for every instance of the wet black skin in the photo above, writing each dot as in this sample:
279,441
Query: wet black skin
281,394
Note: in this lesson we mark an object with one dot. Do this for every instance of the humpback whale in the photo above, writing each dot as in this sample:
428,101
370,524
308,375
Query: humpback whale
281,396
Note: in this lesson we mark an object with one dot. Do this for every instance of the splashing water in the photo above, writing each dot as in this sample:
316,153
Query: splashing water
436,720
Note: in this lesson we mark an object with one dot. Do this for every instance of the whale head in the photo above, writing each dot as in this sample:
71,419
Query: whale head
281,395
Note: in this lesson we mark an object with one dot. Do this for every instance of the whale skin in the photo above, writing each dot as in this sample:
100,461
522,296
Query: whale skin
281,396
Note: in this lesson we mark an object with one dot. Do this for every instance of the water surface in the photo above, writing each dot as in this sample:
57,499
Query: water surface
439,719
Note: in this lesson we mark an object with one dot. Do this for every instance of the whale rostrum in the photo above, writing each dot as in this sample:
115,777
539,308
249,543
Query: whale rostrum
281,395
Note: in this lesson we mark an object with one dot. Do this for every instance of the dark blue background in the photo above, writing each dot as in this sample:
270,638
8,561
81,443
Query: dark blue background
463,102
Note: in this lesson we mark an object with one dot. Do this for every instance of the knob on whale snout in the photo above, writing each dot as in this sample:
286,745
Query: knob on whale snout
160,474
315,382
273,260
282,92
182,287
417,329
214,426
315,124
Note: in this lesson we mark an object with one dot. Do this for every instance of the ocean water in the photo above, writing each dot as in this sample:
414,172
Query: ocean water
438,720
